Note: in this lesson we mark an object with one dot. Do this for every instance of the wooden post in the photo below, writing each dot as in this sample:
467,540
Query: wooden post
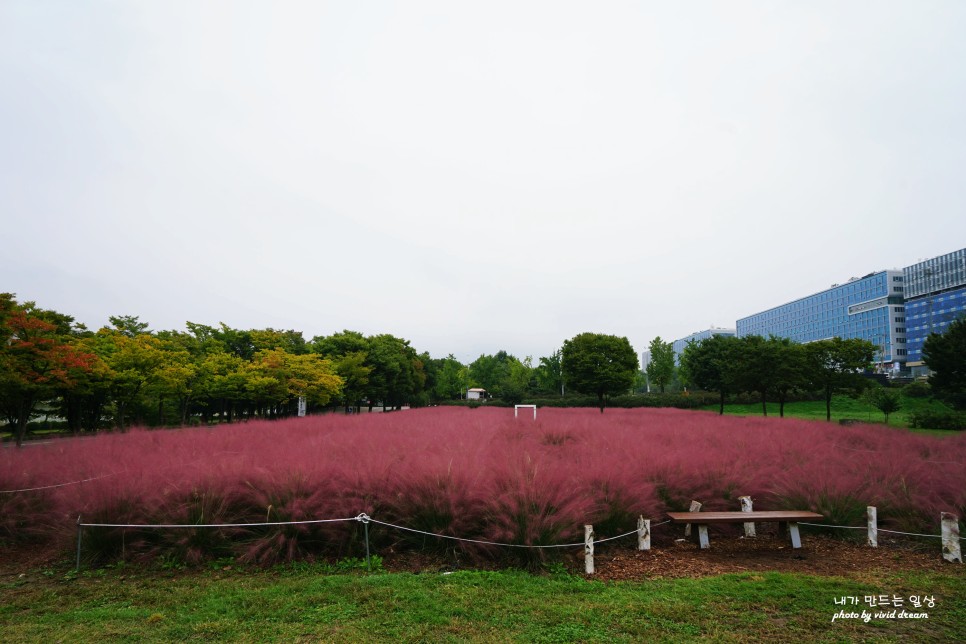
870,513
746,506
703,536
950,533
79,536
589,549
695,507
643,533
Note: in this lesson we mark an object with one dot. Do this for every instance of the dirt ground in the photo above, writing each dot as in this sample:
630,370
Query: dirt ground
672,557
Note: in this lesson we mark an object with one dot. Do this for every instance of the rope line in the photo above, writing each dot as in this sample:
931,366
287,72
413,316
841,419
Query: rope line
488,543
620,536
912,534
48,487
853,527
826,525
210,525
365,519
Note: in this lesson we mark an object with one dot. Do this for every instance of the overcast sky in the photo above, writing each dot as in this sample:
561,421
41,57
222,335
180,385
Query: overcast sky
472,176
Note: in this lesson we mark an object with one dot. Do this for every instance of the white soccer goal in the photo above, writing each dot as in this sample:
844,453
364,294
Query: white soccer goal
517,408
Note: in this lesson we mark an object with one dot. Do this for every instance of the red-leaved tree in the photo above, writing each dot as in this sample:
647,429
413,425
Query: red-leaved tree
36,360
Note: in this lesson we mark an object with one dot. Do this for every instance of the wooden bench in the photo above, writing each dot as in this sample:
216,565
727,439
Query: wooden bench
786,519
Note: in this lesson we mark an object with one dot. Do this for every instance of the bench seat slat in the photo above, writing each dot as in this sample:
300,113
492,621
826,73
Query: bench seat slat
743,517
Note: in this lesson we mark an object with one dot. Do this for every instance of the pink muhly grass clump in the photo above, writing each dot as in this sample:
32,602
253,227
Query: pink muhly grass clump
476,474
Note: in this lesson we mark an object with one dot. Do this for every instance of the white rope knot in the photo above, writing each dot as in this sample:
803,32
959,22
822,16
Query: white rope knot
364,518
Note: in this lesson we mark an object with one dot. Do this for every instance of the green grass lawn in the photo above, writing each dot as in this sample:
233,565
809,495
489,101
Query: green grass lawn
844,407
309,603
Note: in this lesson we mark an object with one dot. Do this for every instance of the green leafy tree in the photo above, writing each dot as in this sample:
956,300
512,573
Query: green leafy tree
790,371
224,381
339,344
756,366
288,341
603,365
711,365
175,378
549,374
352,368
517,383
660,370
135,363
888,401
451,378
945,355
836,365
397,372
349,351
129,325
490,372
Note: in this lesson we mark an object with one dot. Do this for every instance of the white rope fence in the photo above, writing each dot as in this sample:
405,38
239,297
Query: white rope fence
642,530
950,533
50,487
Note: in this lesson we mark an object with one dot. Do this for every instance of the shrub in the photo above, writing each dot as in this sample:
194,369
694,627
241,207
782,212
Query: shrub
918,389
927,419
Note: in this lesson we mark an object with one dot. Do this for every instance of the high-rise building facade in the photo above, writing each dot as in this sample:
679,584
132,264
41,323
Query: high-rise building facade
935,296
697,336
871,308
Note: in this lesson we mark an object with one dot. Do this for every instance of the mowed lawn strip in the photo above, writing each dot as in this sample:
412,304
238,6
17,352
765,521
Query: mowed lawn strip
287,605
844,407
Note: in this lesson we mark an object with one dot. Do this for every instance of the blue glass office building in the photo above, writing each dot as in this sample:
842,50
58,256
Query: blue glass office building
935,296
871,308
697,336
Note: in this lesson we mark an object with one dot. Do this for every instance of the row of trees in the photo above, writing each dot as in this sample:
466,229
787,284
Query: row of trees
127,373
776,367
50,364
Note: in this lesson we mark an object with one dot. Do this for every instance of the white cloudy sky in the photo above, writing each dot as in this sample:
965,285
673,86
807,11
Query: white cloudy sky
472,176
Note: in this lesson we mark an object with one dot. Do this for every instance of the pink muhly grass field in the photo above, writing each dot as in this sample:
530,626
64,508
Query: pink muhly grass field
472,473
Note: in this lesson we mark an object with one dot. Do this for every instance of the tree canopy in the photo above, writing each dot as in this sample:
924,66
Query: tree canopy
660,369
603,365
945,355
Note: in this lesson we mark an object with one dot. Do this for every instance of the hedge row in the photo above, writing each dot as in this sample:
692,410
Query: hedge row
938,420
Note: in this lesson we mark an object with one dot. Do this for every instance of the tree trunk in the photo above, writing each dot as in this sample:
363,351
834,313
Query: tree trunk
828,403
23,416
600,402
721,405
764,403
161,411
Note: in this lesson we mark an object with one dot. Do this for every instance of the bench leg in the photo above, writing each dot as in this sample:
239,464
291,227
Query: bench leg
703,536
796,539
782,528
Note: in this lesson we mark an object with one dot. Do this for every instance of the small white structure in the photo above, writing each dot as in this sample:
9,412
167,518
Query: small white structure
476,393
517,408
